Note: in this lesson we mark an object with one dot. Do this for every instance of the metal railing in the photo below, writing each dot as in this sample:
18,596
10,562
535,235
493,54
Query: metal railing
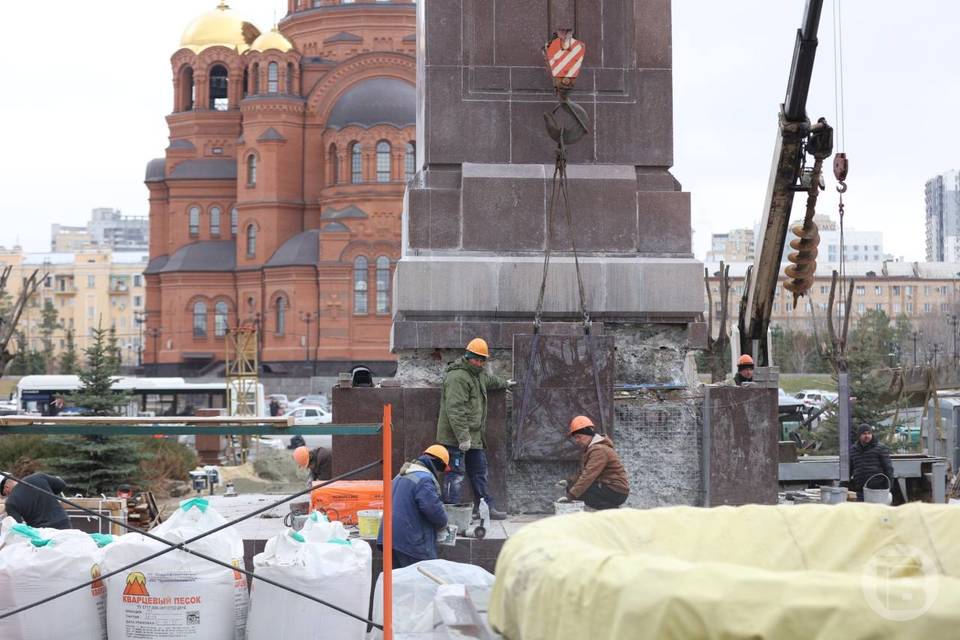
220,426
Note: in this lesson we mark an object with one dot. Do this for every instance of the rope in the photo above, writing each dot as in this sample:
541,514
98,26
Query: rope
182,546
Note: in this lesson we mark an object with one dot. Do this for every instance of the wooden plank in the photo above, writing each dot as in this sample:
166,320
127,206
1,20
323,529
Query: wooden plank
287,421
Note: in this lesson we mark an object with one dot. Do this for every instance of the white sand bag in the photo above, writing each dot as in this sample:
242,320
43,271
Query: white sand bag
39,563
178,595
336,571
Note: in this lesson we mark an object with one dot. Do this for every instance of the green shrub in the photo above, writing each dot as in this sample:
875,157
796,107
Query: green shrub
24,454
165,459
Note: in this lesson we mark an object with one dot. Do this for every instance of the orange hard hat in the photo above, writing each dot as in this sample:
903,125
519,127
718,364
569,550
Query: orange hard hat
580,422
440,451
301,455
479,347
745,361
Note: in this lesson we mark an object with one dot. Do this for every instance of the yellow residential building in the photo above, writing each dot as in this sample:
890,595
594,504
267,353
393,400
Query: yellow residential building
89,287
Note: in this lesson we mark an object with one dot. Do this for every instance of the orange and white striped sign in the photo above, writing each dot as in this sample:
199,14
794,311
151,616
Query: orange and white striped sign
565,56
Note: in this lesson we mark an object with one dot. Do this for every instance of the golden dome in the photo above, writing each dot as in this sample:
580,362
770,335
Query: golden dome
272,40
220,27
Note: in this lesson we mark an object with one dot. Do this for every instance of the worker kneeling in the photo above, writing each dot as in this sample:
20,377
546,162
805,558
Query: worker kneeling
602,481
418,512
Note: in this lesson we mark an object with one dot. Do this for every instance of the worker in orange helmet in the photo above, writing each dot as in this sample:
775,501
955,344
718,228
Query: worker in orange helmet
318,462
418,512
744,370
602,481
462,423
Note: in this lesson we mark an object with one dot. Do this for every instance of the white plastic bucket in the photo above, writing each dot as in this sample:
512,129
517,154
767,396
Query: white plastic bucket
832,495
369,522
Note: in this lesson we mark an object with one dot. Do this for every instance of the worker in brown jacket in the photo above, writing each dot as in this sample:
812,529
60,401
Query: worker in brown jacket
602,481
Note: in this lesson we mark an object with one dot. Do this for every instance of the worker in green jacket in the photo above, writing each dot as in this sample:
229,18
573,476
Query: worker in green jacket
462,424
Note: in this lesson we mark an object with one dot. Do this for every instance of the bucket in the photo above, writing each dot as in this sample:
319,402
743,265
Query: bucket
369,521
459,514
877,496
832,495
561,507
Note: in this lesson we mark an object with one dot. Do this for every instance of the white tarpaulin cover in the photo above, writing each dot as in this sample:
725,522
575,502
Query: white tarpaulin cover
805,572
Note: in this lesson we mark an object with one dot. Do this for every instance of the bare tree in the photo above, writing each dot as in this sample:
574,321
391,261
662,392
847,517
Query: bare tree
11,316
716,347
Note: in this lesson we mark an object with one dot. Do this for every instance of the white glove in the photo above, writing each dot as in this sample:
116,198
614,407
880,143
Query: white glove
511,383
465,446
562,484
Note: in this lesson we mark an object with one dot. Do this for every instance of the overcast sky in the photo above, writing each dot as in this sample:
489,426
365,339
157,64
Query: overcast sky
85,100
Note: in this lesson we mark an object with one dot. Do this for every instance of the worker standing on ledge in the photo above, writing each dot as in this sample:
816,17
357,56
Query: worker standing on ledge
602,481
418,513
31,507
462,424
744,370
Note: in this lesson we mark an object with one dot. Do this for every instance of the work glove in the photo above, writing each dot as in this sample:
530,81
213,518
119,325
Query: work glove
561,484
511,383
465,446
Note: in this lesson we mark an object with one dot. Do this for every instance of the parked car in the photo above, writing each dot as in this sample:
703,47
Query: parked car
314,400
310,415
815,399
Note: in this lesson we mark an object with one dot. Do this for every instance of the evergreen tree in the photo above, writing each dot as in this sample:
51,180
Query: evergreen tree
113,352
68,358
98,464
96,379
26,361
49,322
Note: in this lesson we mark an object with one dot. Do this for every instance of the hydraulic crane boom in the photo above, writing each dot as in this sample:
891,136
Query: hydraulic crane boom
796,138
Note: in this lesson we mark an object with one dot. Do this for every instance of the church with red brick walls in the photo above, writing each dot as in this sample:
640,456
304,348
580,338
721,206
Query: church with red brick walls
278,201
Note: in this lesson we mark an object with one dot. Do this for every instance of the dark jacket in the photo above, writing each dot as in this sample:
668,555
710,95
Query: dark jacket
463,404
417,511
600,463
320,464
867,460
36,509
739,379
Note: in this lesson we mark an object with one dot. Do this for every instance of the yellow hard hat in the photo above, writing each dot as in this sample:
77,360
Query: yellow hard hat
301,455
440,451
479,347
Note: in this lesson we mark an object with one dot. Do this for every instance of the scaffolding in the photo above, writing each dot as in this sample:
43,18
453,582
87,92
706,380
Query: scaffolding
222,426
242,371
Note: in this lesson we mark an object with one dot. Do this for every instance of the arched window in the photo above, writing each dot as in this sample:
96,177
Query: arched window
234,222
273,78
251,241
356,163
256,79
199,319
383,284
194,221
334,164
410,160
251,170
360,286
246,82
221,314
281,315
290,90
383,161
186,89
215,222
219,88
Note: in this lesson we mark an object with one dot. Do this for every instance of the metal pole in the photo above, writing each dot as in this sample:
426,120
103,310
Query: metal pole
843,426
387,438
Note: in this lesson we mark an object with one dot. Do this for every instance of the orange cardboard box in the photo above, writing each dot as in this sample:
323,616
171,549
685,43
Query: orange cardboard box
344,498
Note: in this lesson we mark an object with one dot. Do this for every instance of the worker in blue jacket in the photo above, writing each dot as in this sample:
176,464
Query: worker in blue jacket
418,512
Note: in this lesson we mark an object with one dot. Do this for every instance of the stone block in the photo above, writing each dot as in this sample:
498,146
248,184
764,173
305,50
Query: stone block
444,218
503,214
530,143
697,335
439,334
617,45
404,335
489,331
417,210
478,33
439,32
458,131
603,203
639,131
654,36
664,222
488,78
518,42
